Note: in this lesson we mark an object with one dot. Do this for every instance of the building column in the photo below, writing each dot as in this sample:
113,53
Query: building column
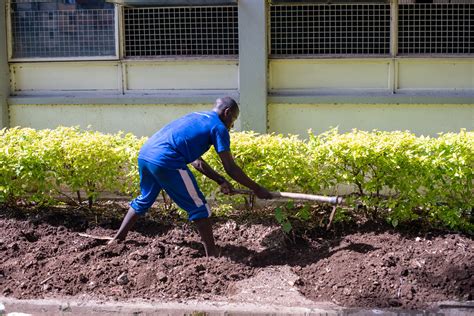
4,72
253,65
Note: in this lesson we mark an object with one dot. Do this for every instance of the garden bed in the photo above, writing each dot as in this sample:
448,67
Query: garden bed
42,255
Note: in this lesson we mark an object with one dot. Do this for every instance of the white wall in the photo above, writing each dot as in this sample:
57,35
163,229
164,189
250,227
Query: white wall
127,76
421,119
141,120
372,74
42,90
329,74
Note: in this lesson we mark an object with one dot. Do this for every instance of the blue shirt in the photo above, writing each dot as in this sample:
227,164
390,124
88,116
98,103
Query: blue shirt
186,139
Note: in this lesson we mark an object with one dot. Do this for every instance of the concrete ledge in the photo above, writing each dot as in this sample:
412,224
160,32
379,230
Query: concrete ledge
372,97
280,97
169,97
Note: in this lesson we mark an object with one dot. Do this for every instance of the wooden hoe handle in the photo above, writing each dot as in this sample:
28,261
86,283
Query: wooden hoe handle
96,237
300,196
309,197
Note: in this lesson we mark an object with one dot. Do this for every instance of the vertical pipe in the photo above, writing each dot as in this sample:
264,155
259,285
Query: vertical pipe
393,76
120,38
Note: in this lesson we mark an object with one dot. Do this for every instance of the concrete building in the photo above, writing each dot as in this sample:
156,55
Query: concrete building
292,65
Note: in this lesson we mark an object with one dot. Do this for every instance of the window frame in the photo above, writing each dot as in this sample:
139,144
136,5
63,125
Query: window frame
10,41
171,3
290,3
394,32
172,57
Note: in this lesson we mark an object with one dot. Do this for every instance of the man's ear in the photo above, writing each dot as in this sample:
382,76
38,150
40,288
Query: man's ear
227,113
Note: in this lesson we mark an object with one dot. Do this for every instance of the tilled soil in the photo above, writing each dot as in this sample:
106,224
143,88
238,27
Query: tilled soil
43,256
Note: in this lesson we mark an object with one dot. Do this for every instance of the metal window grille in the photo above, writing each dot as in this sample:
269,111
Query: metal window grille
440,27
54,29
181,31
330,29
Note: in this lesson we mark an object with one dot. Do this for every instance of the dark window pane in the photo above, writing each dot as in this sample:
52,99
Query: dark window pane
330,29
71,28
181,31
436,28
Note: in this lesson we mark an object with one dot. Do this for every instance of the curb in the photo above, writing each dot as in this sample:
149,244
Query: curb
195,308
17,307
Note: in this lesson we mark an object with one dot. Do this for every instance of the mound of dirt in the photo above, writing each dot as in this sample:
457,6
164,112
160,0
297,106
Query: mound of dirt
43,256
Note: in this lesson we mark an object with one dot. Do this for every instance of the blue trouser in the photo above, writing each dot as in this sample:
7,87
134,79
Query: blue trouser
180,185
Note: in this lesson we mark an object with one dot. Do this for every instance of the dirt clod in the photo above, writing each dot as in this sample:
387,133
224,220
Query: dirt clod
122,279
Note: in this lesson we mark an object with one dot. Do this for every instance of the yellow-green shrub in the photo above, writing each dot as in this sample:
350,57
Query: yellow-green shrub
40,165
395,175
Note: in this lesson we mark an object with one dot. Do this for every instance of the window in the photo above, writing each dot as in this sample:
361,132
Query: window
330,29
181,31
436,27
350,28
62,29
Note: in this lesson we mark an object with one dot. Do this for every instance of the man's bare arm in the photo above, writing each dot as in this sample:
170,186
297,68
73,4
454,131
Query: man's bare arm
236,173
204,168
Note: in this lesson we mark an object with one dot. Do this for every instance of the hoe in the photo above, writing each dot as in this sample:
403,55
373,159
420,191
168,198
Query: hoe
334,200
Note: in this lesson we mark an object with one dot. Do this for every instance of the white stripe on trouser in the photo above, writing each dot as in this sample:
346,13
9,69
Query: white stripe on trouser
208,210
190,187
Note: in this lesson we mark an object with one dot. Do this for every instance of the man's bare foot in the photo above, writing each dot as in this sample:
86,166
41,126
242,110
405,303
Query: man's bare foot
216,252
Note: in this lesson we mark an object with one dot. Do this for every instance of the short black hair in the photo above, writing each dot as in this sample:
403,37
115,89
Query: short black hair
226,103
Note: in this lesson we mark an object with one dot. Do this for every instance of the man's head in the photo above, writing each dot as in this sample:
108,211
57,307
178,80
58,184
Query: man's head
228,110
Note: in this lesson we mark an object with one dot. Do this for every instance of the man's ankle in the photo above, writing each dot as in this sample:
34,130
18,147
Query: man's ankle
214,251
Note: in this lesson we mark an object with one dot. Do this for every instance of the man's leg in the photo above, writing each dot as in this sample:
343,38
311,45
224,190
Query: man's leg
150,189
182,187
204,227
127,223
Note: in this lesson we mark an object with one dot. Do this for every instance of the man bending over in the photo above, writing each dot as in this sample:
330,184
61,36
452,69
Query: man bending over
163,160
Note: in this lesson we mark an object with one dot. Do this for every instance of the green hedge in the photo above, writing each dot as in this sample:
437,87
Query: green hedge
40,165
396,176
